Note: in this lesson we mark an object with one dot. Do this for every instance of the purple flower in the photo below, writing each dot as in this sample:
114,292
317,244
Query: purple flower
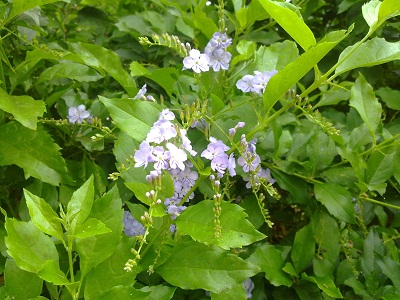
249,162
186,142
141,93
132,227
220,40
248,286
261,80
214,148
220,163
196,61
266,174
246,84
175,211
166,114
77,114
163,130
231,165
144,155
219,59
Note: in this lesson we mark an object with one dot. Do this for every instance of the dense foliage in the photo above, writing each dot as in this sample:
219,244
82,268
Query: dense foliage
200,149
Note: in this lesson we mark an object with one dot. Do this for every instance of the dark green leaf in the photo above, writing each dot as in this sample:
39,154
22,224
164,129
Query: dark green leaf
326,284
337,200
303,248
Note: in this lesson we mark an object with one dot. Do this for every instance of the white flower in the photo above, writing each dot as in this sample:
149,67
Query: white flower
261,80
196,61
77,114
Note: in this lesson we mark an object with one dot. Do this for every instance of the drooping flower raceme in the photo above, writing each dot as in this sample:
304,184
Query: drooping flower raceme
165,149
255,83
77,114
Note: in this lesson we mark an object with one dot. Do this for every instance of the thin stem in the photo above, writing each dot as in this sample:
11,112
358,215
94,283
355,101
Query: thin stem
381,203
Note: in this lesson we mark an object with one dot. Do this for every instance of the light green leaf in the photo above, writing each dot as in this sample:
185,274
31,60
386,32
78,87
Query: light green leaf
389,9
196,266
97,56
19,6
303,248
132,116
71,70
159,292
25,109
275,56
376,12
370,12
290,22
198,222
21,284
33,251
326,284
79,206
364,101
271,260
237,292
95,249
371,53
89,228
43,216
34,151
337,200
286,78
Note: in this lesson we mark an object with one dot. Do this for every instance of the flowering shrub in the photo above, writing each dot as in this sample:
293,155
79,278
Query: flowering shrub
199,150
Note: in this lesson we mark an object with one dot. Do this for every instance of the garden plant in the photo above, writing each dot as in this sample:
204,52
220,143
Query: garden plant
197,149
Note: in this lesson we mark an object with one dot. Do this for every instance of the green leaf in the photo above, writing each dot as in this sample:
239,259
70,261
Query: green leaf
237,292
79,206
131,116
198,222
380,166
43,216
326,284
123,293
391,269
97,56
364,101
159,292
110,272
95,249
370,12
290,22
337,200
303,248
389,9
280,83
21,284
276,56
89,228
33,251
34,151
371,53
19,6
271,260
71,70
25,109
196,266
376,13
390,97
327,236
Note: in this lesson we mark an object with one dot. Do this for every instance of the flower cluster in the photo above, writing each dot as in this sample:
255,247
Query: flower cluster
255,83
78,114
166,147
132,227
215,55
249,160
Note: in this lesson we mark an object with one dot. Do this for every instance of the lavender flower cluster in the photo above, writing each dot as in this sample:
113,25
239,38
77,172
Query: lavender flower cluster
215,55
132,227
249,160
166,147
